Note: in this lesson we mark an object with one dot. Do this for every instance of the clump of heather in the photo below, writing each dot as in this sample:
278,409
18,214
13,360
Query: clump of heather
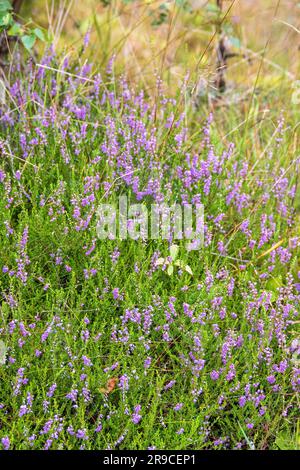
104,348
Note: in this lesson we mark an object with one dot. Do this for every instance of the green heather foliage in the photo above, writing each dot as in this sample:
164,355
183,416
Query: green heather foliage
103,347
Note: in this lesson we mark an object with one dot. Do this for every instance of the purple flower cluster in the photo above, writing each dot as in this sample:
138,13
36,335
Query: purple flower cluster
98,336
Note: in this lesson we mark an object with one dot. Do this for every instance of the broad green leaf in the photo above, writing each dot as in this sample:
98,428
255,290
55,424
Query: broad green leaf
5,19
5,5
170,270
15,30
39,34
188,269
235,42
28,41
174,251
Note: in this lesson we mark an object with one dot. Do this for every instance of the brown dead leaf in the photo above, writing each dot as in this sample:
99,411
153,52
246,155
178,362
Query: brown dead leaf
110,386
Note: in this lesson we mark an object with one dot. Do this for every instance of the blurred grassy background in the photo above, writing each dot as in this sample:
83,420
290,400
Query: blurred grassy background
171,38
127,28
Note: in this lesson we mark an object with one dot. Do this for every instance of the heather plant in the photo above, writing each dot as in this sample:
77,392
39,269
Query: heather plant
102,347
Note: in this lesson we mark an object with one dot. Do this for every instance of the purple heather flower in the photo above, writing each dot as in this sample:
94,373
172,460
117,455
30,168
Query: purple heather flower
5,443
214,375
123,382
86,361
169,385
178,406
242,401
23,410
81,434
136,417
98,428
51,390
180,431
71,431
147,362
115,293
72,395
